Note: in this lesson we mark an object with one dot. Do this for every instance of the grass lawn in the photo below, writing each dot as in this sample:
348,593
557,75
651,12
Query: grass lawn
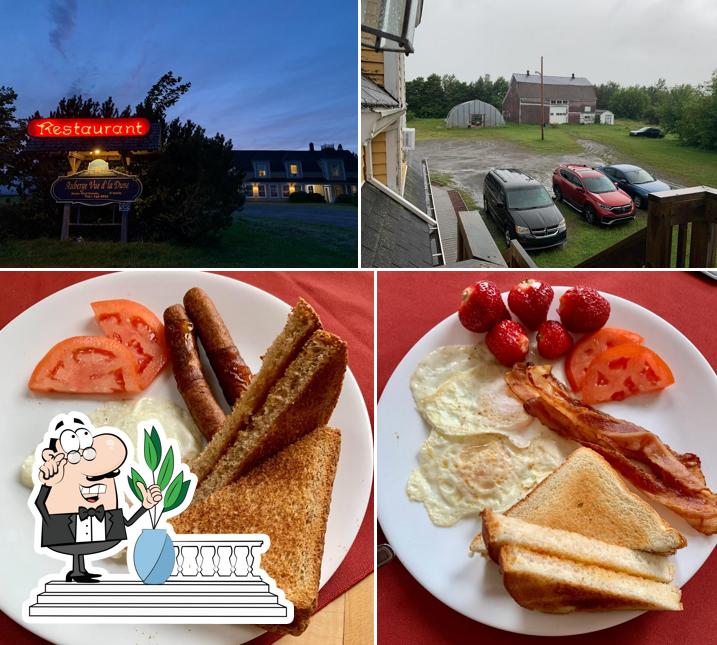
286,235
667,157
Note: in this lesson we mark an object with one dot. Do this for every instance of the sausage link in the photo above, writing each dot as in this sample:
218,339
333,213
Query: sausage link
232,372
188,373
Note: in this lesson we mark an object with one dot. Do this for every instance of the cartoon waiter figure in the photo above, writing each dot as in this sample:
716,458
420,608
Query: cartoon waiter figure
77,499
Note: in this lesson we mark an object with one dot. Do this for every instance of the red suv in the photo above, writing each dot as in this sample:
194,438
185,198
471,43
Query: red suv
591,193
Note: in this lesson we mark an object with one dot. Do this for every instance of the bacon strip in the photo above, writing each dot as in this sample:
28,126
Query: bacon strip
675,480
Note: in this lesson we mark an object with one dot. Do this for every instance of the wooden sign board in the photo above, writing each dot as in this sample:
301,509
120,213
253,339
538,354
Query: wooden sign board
96,191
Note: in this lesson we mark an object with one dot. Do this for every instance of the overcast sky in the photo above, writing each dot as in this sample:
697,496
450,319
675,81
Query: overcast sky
628,41
268,74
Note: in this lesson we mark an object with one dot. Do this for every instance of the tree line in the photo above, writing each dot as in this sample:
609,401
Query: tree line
433,97
190,190
686,110
689,112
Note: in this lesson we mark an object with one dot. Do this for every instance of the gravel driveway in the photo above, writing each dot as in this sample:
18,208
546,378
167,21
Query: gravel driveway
468,162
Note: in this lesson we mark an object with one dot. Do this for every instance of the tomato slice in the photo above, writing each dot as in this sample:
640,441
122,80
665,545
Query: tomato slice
137,328
591,346
86,365
625,370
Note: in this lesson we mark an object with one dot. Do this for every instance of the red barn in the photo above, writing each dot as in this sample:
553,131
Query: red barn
567,99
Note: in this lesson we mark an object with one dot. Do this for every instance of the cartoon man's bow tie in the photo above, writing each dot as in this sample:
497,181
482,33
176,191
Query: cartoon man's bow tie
98,512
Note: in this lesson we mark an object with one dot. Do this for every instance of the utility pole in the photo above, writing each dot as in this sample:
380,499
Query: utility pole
542,103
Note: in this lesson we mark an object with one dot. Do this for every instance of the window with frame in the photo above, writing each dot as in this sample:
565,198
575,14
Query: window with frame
261,168
335,169
309,189
262,190
285,190
248,190
273,190
293,169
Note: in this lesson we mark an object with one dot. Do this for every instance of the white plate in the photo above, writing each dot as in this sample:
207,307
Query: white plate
681,415
254,318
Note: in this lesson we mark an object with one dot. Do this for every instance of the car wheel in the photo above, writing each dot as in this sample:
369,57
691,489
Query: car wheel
589,213
558,194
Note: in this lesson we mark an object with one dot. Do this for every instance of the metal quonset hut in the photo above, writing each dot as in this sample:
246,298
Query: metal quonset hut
474,114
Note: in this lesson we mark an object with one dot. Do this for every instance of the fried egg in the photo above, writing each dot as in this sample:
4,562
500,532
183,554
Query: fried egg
460,390
459,476
126,415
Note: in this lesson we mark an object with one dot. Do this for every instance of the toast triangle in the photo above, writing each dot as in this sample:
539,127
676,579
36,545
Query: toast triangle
545,583
288,497
587,496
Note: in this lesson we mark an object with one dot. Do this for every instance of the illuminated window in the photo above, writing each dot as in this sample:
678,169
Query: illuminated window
294,169
261,169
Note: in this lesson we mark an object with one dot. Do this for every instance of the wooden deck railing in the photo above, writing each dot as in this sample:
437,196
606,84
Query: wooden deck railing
475,241
693,213
690,214
516,257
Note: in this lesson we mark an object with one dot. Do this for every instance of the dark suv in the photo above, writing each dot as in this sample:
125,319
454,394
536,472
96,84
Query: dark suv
523,209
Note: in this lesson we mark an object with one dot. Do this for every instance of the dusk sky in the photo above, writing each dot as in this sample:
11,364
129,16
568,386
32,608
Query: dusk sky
270,74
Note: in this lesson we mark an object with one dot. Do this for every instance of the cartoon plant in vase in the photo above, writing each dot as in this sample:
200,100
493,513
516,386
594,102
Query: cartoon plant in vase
153,553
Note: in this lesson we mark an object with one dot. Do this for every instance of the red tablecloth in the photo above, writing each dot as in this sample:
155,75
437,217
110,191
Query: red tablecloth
410,304
344,300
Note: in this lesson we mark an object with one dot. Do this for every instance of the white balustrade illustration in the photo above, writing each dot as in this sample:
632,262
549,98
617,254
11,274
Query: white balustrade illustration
224,559
215,578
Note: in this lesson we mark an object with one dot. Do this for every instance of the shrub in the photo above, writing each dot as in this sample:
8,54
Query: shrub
30,218
302,197
347,199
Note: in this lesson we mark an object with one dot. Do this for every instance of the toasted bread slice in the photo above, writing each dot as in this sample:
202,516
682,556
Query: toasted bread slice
500,531
303,321
587,496
301,400
545,583
287,497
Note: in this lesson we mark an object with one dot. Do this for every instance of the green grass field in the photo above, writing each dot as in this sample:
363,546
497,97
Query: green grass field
667,157
287,239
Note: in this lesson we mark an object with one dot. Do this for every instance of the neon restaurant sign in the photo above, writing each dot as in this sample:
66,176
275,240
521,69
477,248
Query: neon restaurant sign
66,128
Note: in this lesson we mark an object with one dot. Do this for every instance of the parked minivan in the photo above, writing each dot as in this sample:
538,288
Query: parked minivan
523,209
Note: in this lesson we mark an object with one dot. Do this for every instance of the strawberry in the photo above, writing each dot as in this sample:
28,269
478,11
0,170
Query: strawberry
583,309
553,340
508,342
530,301
481,307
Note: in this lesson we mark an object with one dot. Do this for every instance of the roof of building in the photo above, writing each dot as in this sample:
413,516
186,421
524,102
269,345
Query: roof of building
392,235
309,160
553,80
555,87
375,96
